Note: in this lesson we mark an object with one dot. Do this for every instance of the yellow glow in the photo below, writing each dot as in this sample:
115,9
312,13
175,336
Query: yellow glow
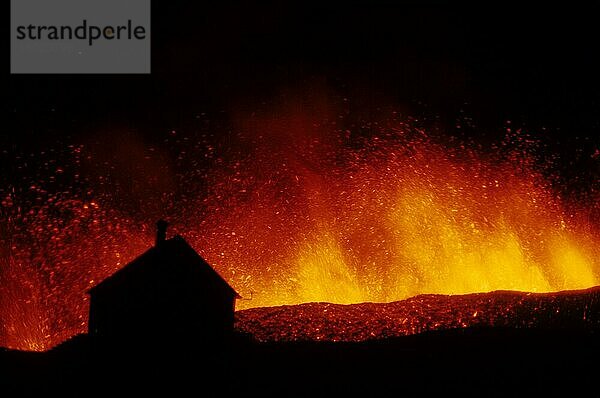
571,267
430,247
456,257
324,275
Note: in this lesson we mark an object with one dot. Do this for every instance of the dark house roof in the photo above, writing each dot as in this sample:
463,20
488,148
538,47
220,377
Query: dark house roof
174,252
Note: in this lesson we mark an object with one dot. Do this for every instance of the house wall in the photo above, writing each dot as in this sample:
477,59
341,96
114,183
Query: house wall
145,316
169,294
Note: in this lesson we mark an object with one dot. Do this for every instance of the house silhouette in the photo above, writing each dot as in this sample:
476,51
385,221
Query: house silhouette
169,292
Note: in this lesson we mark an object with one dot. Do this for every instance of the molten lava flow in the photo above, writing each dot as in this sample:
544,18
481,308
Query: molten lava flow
296,210
579,309
386,225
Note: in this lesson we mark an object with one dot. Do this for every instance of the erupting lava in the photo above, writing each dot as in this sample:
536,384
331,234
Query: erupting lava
300,209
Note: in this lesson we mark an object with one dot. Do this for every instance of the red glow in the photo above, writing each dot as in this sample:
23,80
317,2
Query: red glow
298,210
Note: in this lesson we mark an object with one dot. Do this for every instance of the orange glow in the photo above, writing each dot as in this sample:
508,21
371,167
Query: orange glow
309,212
425,224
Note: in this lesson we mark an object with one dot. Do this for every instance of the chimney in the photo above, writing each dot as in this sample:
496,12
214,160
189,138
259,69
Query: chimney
161,232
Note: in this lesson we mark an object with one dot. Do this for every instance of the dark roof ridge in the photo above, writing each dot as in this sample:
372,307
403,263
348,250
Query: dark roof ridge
152,250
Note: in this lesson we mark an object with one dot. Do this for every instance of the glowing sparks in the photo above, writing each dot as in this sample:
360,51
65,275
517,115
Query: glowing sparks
305,212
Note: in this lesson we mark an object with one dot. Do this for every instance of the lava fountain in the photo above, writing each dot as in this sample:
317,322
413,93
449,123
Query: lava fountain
295,207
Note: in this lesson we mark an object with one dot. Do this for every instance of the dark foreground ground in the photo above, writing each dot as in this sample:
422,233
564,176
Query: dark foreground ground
465,362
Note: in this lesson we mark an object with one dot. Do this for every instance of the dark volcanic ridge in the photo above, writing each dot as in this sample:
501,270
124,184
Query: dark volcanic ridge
575,309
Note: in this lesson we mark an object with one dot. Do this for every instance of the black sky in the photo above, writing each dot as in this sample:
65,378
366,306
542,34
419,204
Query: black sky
533,65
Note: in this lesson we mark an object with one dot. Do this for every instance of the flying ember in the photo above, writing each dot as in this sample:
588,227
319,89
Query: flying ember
293,208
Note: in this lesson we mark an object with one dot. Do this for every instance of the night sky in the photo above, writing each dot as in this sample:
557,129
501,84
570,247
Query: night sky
536,67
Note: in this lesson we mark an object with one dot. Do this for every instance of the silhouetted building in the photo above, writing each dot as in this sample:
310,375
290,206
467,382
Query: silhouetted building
167,293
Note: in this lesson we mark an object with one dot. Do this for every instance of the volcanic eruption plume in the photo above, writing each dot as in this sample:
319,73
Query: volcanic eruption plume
294,204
